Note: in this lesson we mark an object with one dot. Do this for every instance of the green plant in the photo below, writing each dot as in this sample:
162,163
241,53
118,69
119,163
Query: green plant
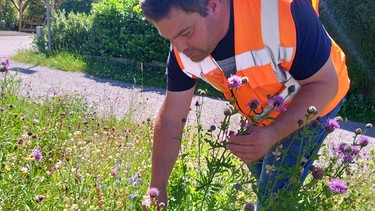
8,15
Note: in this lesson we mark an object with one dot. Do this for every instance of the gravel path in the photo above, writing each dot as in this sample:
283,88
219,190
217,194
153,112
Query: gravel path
118,98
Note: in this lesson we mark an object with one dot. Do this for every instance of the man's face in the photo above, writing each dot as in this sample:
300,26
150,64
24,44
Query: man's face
194,35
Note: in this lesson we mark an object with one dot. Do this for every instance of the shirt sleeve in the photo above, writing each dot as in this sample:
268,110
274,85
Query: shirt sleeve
313,42
177,80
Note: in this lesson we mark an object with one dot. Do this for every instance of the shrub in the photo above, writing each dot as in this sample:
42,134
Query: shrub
8,15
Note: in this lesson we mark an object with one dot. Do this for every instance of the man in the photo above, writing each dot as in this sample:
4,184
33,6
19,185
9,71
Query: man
275,44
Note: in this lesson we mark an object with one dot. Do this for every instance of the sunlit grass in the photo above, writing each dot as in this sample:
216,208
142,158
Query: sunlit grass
92,161
61,61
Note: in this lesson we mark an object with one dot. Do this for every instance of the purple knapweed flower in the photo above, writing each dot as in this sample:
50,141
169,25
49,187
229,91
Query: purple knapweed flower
363,141
154,192
37,154
234,81
337,186
22,117
277,102
330,125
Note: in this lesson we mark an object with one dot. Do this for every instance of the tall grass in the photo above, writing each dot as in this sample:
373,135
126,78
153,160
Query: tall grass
58,153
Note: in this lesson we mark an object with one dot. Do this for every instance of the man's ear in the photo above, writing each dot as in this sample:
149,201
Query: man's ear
213,6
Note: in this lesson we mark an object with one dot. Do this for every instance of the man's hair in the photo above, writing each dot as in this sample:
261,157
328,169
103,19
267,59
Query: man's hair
155,10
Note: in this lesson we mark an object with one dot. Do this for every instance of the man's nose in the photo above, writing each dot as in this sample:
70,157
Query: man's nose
180,44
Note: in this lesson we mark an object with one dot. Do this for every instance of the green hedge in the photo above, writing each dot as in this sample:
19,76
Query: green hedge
116,28
352,24
8,16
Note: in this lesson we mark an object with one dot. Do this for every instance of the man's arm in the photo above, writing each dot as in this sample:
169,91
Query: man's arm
167,134
317,90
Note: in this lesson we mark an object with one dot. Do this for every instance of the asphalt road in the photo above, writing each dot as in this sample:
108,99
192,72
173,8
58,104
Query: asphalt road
11,42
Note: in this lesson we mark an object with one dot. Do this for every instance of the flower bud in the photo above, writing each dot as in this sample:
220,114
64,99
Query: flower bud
312,110
358,131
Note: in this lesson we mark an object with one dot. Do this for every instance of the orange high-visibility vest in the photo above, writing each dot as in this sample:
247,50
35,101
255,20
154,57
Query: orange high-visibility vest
265,45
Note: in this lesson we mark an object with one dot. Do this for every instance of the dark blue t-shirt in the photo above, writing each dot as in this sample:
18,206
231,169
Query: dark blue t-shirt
312,50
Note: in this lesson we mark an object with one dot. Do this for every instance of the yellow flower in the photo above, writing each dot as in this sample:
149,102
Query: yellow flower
29,158
371,163
7,167
362,162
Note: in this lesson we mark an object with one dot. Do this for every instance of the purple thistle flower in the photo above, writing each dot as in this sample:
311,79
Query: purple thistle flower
249,206
277,102
113,172
37,154
154,192
253,104
5,62
363,141
131,179
341,148
348,158
234,81
355,150
337,186
55,91
330,125
22,117
118,165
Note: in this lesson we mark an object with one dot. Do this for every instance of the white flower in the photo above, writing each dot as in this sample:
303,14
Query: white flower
146,201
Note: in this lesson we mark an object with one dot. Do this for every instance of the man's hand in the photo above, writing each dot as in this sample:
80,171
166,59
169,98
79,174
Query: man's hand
153,199
254,145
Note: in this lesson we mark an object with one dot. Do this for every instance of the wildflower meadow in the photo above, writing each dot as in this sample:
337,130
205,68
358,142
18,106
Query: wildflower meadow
58,152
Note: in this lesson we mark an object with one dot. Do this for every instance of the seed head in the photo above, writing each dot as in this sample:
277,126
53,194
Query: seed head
227,112
358,131
318,173
291,89
244,80
312,110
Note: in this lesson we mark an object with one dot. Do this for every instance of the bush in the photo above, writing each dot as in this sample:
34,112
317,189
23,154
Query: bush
8,15
351,23
78,6
115,29
69,32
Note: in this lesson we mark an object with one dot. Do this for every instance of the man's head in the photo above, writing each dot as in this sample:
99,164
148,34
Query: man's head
194,27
